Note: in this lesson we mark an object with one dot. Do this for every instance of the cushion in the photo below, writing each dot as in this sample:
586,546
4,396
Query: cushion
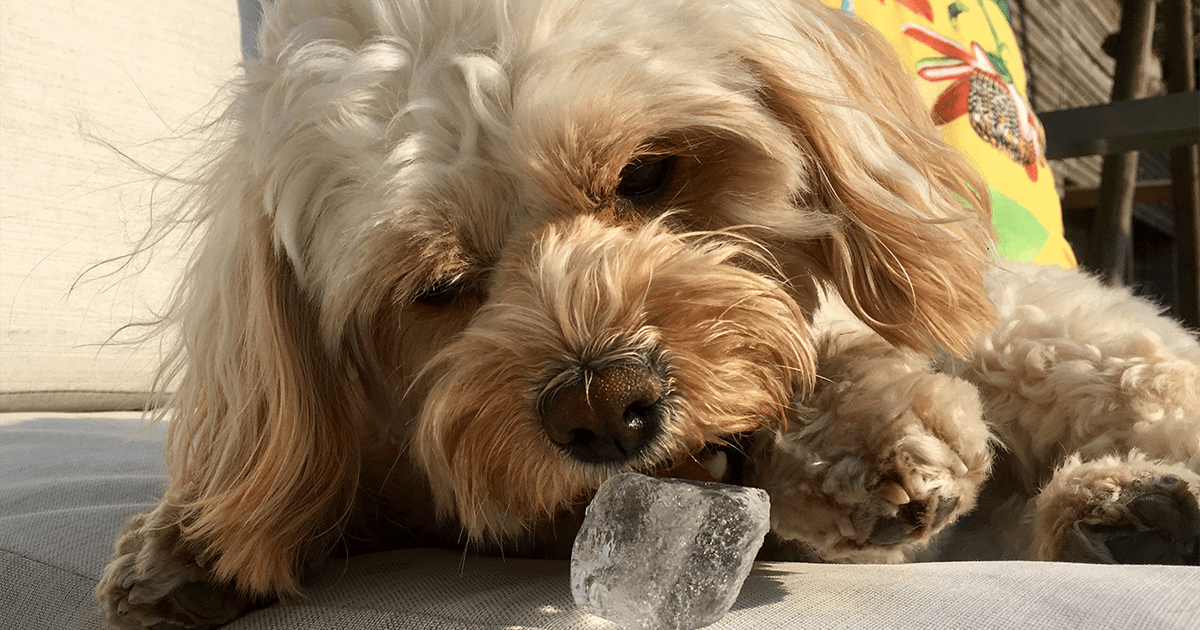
84,86
964,55
67,481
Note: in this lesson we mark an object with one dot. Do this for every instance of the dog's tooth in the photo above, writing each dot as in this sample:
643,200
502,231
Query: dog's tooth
845,527
896,494
717,465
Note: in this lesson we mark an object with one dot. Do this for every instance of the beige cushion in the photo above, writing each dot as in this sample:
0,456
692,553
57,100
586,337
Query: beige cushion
75,75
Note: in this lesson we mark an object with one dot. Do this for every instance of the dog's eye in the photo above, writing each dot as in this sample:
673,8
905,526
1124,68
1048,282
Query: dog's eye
441,292
645,178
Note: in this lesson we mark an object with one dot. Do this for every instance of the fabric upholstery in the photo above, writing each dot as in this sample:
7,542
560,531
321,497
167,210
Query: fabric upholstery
67,481
954,51
84,86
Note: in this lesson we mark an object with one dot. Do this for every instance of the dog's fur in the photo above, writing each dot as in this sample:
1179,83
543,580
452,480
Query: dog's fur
1085,395
442,241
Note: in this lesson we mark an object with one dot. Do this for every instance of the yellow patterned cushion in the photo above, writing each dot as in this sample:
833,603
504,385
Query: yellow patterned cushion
967,64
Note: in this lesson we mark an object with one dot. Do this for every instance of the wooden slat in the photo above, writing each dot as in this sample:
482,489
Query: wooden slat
1160,122
1155,191
1064,51
1069,68
1081,171
1185,171
1110,246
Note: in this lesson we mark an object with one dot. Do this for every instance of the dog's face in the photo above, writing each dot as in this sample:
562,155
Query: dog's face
550,240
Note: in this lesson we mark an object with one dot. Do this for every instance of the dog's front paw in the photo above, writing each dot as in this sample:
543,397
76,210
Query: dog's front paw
882,458
153,582
1120,511
868,509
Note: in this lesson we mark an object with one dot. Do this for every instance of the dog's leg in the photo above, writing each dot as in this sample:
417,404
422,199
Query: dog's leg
1097,400
154,580
879,459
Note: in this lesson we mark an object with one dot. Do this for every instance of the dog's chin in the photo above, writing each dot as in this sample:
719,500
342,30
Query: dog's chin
638,458
501,486
548,513
499,497
654,458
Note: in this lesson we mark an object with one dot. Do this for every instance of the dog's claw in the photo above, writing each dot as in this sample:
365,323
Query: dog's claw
894,493
845,527
917,485
958,466
911,519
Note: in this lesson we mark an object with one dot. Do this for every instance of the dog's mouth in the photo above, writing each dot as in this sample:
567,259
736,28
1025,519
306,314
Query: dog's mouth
719,463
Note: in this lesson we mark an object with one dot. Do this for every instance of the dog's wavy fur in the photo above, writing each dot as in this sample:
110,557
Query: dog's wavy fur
413,234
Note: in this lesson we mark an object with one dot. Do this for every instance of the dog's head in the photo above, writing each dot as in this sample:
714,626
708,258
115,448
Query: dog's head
547,240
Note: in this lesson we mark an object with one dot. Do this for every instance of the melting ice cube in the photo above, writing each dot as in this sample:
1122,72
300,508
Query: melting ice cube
666,554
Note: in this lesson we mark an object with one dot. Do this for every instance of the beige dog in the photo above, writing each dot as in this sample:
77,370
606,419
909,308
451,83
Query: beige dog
461,261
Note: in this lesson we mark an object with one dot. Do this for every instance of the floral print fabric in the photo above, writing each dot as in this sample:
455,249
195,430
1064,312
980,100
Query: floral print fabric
966,62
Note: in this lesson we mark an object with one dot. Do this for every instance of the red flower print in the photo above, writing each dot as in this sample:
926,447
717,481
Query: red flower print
981,88
920,7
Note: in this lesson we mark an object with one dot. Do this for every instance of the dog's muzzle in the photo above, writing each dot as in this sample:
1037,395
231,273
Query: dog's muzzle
607,415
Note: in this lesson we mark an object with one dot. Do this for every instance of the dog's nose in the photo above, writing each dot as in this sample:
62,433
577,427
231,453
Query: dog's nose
608,417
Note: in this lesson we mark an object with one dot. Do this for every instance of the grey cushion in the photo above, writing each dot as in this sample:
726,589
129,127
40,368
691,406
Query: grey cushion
68,481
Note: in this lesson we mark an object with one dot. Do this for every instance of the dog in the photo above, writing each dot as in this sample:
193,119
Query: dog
461,261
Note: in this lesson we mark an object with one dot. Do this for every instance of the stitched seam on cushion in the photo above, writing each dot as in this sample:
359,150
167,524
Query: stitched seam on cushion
51,566
120,392
402,615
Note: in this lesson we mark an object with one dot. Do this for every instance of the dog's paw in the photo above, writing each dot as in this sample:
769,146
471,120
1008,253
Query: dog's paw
1120,511
912,520
868,510
153,582
878,462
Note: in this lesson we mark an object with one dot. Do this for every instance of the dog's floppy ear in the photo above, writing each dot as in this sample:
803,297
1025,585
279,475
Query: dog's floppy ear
913,218
260,445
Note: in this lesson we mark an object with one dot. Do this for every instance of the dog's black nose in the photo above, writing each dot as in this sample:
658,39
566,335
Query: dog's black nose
607,416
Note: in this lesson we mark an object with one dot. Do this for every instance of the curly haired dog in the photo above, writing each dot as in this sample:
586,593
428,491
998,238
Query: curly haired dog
460,261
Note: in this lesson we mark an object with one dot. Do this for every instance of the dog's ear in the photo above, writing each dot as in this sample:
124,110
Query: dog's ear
260,444
912,233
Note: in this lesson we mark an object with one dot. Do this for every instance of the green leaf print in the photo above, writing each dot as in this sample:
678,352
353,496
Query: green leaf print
1020,235
954,10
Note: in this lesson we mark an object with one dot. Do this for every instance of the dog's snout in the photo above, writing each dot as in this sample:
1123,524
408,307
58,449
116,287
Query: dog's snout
608,416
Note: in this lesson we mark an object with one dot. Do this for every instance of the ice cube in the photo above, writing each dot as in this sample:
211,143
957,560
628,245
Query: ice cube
666,554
